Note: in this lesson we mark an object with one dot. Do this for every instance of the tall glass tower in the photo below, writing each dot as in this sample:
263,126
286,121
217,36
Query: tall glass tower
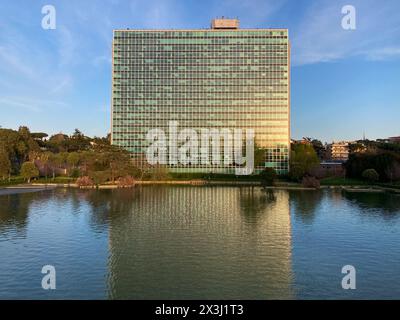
222,77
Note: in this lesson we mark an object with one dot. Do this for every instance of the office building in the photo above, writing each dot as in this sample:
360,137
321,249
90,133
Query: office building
222,77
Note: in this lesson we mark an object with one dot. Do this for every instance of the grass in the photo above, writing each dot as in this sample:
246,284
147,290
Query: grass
395,185
333,181
212,177
13,181
338,181
55,180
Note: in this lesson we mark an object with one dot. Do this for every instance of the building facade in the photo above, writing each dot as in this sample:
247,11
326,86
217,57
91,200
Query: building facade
222,77
394,139
338,151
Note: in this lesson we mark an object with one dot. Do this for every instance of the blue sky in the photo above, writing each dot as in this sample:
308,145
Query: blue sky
344,82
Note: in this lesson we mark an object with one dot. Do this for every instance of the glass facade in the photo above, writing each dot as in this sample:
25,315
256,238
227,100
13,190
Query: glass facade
234,78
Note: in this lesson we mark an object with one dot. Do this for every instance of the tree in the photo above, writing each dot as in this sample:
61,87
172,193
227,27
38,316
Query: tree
27,144
55,161
268,176
319,148
78,141
383,163
259,156
58,142
303,159
99,177
73,160
5,164
370,175
119,163
393,171
44,159
29,171
19,145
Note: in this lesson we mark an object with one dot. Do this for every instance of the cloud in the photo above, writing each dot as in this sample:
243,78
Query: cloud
67,46
319,37
252,13
36,105
62,85
383,54
9,59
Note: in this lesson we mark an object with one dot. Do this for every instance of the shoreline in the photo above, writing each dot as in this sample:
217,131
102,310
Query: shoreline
36,187
17,189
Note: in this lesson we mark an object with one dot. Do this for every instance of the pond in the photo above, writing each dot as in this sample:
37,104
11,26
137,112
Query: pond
192,242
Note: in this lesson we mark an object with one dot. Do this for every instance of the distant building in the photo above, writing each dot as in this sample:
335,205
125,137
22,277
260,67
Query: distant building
394,139
338,151
328,169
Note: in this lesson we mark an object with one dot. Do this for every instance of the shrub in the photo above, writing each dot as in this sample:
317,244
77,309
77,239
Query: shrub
268,176
127,181
84,182
370,175
310,182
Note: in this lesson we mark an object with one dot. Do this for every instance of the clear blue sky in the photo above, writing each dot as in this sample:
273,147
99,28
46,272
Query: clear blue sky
343,82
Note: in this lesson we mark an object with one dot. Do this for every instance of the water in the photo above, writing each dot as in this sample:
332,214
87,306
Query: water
199,243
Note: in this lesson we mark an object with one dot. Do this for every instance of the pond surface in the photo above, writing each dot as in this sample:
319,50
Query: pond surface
182,242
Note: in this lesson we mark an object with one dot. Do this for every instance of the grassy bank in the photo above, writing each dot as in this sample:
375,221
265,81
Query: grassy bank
206,177
212,177
63,180
13,181
337,181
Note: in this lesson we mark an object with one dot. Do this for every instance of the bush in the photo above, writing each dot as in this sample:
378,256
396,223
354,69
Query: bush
84,182
268,176
370,175
310,182
126,182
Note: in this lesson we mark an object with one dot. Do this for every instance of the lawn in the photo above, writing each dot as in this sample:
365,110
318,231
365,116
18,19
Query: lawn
337,181
13,181
55,180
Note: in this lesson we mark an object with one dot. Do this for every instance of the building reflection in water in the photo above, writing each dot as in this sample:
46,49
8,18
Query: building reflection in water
199,243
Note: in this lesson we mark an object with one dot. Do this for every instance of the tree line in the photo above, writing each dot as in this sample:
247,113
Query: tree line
33,154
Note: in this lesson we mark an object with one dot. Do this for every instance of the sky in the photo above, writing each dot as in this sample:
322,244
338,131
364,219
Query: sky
344,83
